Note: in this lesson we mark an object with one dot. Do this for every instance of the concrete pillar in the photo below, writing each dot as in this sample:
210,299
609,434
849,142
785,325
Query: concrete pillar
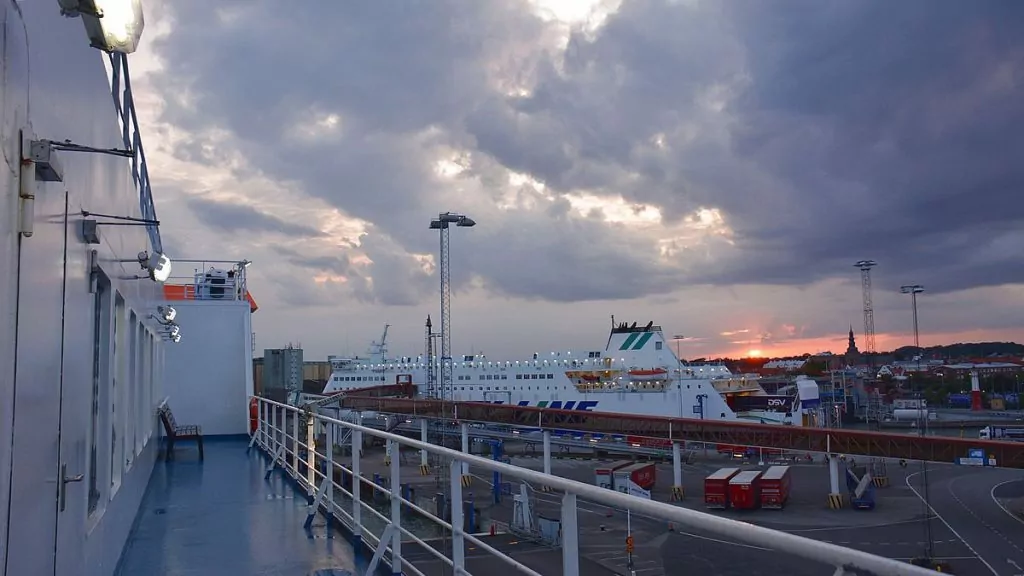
677,472
547,452
424,455
465,446
835,497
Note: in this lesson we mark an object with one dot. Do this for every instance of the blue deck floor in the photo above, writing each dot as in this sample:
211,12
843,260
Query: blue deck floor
220,517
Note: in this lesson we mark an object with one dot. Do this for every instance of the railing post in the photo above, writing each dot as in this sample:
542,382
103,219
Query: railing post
295,443
458,540
329,470
310,454
264,421
357,485
570,537
273,428
396,509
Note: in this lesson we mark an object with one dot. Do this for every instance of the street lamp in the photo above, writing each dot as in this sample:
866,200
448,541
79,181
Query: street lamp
914,290
442,223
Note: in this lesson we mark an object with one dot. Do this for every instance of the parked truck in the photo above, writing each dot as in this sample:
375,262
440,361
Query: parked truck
775,487
745,490
1002,433
716,488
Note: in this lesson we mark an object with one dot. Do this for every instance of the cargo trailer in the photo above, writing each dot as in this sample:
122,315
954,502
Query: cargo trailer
775,487
716,488
603,473
744,490
636,479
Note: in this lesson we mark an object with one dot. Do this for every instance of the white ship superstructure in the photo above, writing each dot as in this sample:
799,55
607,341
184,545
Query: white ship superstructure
635,373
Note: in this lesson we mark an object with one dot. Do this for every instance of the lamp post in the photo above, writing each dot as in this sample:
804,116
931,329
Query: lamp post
442,223
914,290
922,428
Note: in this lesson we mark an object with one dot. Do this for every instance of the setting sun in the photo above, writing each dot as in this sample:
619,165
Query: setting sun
754,354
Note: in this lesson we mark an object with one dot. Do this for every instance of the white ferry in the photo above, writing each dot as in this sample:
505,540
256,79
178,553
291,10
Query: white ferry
635,373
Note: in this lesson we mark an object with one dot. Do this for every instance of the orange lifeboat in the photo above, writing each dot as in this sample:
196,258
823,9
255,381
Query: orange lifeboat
648,375
590,377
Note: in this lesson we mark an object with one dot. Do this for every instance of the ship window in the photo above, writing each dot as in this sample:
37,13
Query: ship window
657,345
519,376
117,382
504,377
551,376
100,373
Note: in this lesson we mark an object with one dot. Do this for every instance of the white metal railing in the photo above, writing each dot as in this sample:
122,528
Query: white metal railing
211,279
273,436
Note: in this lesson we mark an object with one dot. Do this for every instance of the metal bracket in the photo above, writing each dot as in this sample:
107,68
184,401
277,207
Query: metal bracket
315,504
385,537
278,455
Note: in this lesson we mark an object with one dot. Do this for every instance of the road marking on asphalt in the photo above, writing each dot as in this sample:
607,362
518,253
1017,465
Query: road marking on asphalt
993,529
943,520
992,494
583,508
854,527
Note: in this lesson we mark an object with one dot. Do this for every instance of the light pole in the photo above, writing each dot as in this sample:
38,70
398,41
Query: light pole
442,223
922,428
914,290
678,338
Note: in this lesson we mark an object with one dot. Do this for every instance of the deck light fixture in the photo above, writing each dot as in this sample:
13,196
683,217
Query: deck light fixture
158,265
166,313
111,25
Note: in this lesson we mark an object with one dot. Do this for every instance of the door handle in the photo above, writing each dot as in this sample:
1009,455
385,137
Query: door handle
65,480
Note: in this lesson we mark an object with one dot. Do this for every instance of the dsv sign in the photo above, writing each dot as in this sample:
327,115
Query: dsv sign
777,402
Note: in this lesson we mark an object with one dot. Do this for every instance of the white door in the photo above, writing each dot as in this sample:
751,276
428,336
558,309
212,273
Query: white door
74,405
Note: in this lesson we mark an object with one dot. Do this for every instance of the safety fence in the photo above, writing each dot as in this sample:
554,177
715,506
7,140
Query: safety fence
289,435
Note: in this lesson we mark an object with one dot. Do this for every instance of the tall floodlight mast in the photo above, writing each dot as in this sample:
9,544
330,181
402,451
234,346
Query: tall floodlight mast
442,223
869,310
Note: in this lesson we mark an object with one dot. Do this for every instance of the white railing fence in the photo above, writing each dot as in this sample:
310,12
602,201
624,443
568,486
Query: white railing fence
291,449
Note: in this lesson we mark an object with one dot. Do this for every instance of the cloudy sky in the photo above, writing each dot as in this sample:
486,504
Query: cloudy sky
716,166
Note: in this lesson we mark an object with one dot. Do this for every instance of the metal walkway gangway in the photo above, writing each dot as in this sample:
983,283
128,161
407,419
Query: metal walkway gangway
318,472
310,406
821,440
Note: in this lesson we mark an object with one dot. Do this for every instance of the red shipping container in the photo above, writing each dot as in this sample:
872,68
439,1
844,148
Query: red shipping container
775,487
744,490
716,488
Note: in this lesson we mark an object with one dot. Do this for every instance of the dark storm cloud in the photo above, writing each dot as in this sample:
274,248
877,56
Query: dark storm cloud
235,217
826,132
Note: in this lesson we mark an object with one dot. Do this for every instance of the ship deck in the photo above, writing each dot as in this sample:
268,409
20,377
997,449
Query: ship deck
221,517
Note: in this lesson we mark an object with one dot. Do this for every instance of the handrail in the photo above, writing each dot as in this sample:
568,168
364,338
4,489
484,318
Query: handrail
124,104
844,559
